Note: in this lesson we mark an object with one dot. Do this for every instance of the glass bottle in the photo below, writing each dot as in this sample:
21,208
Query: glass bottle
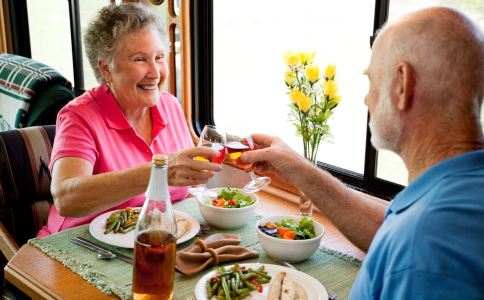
155,243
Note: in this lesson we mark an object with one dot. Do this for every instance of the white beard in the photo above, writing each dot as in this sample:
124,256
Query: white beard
385,124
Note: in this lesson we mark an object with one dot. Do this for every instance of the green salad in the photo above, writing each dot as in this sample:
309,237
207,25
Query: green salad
288,229
231,198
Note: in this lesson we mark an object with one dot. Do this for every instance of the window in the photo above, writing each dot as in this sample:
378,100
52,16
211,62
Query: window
246,42
87,11
47,29
238,50
249,40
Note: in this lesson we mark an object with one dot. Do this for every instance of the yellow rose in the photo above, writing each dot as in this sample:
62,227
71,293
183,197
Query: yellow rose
330,72
290,78
291,58
295,96
312,73
304,103
336,99
306,58
330,88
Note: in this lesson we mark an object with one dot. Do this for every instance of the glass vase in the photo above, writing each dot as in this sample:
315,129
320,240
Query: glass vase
305,204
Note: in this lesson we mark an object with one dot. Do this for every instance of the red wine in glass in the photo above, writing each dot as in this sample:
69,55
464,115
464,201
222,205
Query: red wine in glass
237,143
213,138
221,149
234,152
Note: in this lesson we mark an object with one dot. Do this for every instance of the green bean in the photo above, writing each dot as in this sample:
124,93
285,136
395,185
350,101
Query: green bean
263,274
118,225
233,285
129,223
109,228
208,287
251,286
262,280
220,291
214,288
126,230
121,221
226,289
248,276
237,282
243,291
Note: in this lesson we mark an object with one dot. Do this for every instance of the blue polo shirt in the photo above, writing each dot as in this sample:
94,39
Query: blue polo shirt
431,244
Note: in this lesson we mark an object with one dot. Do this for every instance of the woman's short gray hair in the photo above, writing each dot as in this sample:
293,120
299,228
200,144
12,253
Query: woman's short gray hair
111,24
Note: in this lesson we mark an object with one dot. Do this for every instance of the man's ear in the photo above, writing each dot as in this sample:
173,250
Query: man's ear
104,68
404,86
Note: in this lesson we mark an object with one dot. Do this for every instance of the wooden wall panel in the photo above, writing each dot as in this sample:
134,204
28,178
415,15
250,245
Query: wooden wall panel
5,35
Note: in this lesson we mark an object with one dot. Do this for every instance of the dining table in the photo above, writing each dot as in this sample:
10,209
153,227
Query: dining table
41,275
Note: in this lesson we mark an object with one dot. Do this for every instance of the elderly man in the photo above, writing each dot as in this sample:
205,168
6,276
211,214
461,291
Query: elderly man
426,89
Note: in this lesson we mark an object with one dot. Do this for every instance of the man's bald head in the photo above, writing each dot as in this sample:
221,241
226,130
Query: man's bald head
445,50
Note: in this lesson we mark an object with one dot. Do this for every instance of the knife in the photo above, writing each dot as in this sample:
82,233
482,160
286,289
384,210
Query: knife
97,247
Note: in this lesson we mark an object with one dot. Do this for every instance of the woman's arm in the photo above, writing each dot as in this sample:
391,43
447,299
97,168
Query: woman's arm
77,192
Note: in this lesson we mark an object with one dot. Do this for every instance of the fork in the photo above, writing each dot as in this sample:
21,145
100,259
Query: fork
331,295
192,297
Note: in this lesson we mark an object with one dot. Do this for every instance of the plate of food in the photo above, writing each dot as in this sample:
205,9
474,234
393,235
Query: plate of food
259,281
121,233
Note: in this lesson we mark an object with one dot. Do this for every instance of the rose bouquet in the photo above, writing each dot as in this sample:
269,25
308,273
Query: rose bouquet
313,98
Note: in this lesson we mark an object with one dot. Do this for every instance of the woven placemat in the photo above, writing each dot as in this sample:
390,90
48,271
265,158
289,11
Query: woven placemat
334,270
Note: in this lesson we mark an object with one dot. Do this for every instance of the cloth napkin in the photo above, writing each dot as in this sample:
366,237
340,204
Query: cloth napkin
216,249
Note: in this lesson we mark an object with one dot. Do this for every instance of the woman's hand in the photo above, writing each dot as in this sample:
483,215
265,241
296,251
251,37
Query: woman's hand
184,170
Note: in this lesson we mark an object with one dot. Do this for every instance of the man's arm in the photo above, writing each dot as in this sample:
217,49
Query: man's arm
356,216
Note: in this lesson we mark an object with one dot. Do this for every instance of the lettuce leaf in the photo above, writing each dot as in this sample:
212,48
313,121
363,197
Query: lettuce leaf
304,230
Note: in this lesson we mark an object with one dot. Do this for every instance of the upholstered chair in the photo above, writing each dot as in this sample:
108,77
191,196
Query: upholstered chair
25,197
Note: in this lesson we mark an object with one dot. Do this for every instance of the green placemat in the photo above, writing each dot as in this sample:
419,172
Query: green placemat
334,270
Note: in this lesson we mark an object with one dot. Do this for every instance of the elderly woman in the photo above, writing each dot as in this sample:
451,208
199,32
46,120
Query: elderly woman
106,137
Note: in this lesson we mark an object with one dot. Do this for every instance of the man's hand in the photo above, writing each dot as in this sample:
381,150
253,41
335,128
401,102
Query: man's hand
184,170
274,156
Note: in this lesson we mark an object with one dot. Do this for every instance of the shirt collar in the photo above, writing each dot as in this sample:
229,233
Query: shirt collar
115,117
158,120
424,182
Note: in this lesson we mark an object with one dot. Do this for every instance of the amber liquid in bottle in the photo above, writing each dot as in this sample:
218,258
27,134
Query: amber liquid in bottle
155,265
155,243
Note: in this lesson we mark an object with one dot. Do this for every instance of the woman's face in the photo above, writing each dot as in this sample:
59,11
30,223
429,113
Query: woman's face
138,70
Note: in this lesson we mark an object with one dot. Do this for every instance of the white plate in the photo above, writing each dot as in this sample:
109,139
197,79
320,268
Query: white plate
314,289
96,228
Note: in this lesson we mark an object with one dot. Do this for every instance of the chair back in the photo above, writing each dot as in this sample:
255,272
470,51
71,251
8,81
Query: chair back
25,197
31,93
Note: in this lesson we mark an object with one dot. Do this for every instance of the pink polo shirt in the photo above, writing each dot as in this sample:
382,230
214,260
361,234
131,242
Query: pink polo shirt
94,128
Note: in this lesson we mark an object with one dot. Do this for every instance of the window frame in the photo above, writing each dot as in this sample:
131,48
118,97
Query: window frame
202,99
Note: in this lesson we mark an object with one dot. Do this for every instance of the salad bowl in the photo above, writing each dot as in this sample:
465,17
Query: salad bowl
294,245
232,208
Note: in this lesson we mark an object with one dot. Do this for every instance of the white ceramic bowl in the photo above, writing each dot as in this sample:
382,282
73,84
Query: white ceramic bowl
227,218
289,250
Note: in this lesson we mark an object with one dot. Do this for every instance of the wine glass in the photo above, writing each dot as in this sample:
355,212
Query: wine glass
215,139
237,143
